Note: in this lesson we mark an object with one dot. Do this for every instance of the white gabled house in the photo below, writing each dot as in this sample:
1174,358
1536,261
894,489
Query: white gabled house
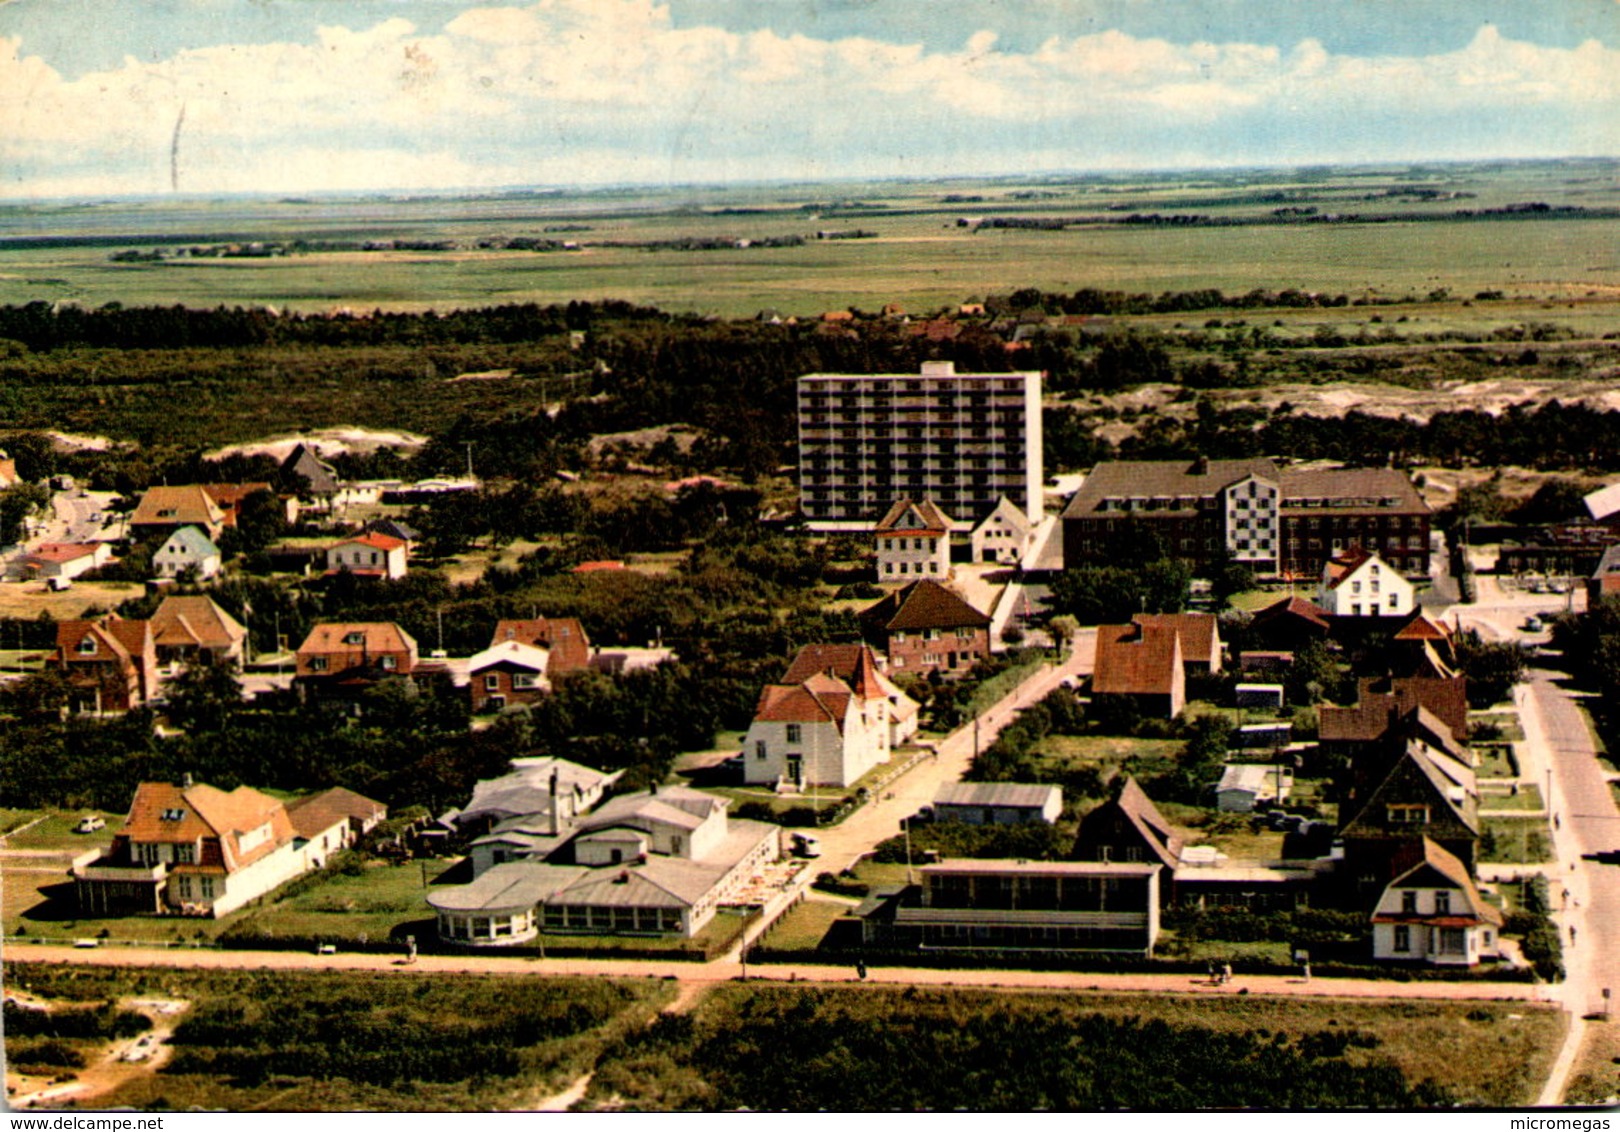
371,555
1002,536
913,540
1433,913
821,731
1358,583
187,549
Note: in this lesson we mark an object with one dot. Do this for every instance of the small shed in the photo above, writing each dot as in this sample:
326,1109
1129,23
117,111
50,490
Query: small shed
1264,736
1259,695
1243,786
997,803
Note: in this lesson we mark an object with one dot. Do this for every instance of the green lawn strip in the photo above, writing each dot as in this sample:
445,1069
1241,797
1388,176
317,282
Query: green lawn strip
1515,841
1528,797
987,694
805,925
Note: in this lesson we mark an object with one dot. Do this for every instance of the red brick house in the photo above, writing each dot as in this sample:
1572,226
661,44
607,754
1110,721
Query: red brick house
349,657
508,673
111,664
925,627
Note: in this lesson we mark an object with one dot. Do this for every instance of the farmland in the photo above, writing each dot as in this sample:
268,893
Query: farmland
1387,231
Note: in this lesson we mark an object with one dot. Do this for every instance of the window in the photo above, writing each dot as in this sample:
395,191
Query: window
317,664
759,750
87,646
207,886
354,639
174,814
1452,941
525,681
1442,903
492,683
1409,902
1405,813
389,663
795,733
1403,938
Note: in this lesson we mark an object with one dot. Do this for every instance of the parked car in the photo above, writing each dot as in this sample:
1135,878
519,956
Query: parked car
90,823
805,845
1532,625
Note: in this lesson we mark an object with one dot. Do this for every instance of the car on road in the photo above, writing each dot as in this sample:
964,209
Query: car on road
1531,625
141,1050
90,823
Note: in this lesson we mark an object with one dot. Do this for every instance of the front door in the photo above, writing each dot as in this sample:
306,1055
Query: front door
795,769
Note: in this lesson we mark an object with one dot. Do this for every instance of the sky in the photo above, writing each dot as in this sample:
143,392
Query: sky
102,99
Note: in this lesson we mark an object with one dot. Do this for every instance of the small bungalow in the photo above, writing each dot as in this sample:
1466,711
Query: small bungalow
370,555
508,674
187,551
997,803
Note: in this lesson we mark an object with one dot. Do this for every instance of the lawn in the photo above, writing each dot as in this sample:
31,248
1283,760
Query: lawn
1528,797
402,1042
1496,760
805,925
343,907
999,685
977,1050
1104,752
1515,841
1595,1077
1496,725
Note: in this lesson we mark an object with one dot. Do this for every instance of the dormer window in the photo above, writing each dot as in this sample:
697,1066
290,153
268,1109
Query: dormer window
87,646
174,813
354,639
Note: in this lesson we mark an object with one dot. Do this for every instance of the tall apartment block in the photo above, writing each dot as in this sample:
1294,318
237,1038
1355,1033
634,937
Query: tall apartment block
963,440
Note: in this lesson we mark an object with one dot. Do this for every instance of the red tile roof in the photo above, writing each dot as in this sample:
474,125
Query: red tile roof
923,605
564,637
182,621
1136,660
908,518
1294,607
63,551
598,565
1199,639
855,665
1420,628
820,699
186,505
373,539
320,812
1343,565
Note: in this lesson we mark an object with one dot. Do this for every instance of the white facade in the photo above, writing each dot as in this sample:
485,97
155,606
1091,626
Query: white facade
963,440
1370,589
222,894
1418,941
1252,508
794,741
915,554
186,551
361,556
1002,536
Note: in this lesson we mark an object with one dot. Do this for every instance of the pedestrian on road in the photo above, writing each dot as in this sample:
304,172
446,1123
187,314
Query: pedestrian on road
1226,972
1572,935
1556,823
860,968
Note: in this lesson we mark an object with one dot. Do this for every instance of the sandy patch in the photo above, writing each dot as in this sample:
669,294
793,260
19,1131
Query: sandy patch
325,442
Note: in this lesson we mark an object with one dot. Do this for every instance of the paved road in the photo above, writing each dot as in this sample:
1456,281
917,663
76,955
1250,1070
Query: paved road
844,844
1587,842
727,970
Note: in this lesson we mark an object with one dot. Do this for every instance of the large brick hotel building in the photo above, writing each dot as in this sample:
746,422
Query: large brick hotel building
1280,521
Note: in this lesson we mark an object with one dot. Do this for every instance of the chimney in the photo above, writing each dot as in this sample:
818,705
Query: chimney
1200,466
185,781
555,820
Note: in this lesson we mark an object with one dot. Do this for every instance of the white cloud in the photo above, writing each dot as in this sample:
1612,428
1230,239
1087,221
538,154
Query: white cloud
596,90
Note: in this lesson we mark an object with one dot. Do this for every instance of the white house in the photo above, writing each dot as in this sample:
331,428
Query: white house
62,559
1001,536
913,540
1358,583
1432,913
1246,785
822,732
187,549
371,555
193,850
658,862
857,665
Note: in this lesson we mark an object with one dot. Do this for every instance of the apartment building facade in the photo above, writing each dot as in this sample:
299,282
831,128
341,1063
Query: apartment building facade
1279,521
963,440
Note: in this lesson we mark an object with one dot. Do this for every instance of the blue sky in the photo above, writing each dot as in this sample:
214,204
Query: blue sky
306,95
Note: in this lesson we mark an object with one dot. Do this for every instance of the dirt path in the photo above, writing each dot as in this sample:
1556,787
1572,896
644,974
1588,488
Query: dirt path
115,1067
721,971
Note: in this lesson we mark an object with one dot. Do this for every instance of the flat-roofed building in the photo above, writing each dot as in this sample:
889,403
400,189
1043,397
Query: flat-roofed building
964,440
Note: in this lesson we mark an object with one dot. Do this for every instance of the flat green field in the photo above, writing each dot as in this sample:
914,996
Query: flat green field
917,253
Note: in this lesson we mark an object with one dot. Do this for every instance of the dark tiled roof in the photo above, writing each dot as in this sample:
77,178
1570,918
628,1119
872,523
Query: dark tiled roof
928,519
1294,607
1123,479
564,636
923,605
